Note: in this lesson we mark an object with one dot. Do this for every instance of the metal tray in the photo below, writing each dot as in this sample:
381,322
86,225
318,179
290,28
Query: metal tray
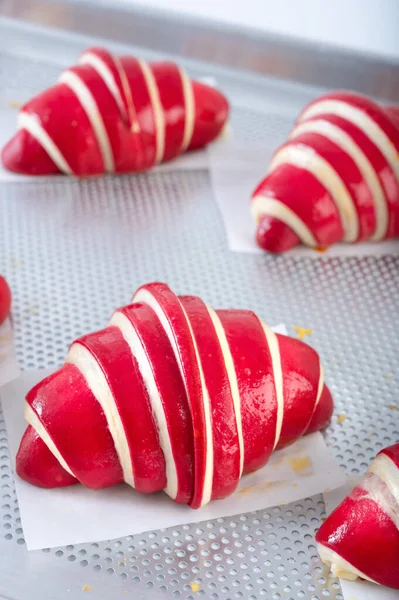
72,251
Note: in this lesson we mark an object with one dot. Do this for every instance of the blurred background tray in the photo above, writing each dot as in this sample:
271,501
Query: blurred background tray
74,250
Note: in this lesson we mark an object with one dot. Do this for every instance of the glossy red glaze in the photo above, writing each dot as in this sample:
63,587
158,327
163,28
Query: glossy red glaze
301,373
109,348
183,363
188,364
211,114
392,452
171,391
226,449
275,236
76,423
254,371
23,154
112,63
130,118
364,535
37,465
5,299
369,107
293,187
323,412
349,174
382,168
170,86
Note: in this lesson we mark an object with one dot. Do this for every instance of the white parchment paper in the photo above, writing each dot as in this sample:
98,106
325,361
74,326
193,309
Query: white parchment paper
356,590
75,514
236,169
9,367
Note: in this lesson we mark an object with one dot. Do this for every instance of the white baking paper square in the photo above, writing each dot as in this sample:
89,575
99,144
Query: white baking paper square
236,169
75,514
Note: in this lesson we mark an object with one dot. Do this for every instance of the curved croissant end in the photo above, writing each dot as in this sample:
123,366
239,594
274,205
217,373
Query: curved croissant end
336,178
114,114
360,539
172,396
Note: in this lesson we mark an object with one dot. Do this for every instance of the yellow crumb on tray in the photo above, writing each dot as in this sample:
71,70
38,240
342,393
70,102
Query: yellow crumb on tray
321,248
341,418
302,332
15,105
393,407
195,587
301,465
87,588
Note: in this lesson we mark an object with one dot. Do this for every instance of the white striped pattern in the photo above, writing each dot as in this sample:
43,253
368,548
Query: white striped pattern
378,491
363,121
348,145
90,107
88,58
319,387
339,566
145,297
386,470
32,419
130,335
231,373
189,109
32,125
304,157
82,358
274,350
159,116
262,206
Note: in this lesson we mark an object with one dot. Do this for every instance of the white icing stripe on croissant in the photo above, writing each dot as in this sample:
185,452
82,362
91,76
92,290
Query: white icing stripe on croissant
131,337
344,141
31,124
363,121
306,158
339,566
278,378
80,356
32,419
386,470
88,58
261,205
189,114
157,108
89,104
231,373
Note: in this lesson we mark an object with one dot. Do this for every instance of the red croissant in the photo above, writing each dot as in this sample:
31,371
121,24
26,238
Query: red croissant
361,537
172,396
5,299
336,179
113,114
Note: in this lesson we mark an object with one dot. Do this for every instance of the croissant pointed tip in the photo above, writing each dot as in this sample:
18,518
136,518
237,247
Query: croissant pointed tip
24,155
211,114
37,465
275,236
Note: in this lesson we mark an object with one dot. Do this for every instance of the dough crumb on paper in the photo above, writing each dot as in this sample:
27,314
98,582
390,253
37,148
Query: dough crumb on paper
302,332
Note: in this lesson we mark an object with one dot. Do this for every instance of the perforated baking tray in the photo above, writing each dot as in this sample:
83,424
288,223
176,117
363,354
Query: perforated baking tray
73,251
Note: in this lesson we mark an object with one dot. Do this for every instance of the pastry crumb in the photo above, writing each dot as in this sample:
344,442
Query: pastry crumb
321,248
393,407
388,377
301,465
195,587
341,418
87,588
302,332
15,105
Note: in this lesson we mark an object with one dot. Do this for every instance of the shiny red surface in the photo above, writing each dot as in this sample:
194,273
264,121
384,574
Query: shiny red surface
113,354
226,450
253,365
5,299
180,327
75,421
171,390
131,131
361,532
